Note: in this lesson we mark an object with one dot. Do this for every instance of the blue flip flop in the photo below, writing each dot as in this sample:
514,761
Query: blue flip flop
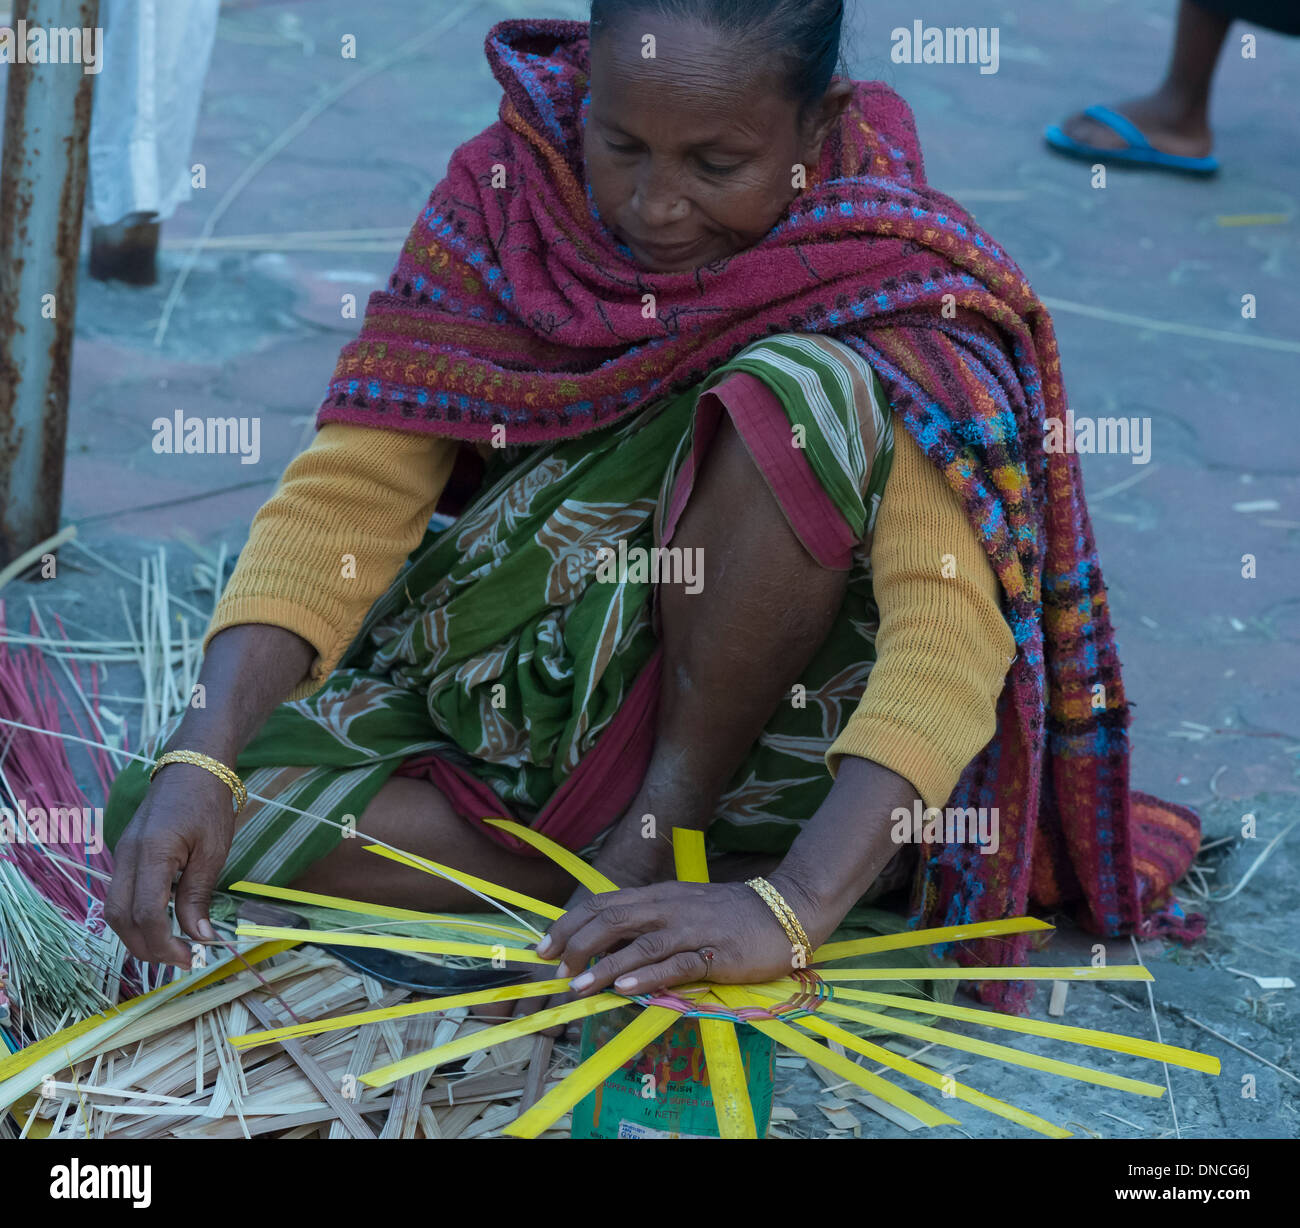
1139,152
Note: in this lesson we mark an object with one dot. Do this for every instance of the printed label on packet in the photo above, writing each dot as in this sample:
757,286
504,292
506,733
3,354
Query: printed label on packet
634,1129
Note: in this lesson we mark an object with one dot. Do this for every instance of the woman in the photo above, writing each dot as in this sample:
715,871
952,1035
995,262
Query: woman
698,289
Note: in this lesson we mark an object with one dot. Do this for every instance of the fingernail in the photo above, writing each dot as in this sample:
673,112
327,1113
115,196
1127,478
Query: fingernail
562,971
206,931
626,982
581,982
544,947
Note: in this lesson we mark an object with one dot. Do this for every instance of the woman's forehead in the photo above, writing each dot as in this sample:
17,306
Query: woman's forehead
707,92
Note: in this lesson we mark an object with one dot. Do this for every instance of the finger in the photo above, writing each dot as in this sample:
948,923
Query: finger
610,926
646,951
117,901
678,969
571,921
153,883
194,895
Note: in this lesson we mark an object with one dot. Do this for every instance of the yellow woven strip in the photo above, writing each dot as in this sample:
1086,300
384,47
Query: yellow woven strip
596,1069
375,910
986,1049
1119,972
588,876
1114,1041
295,1031
688,855
831,1031
925,938
396,942
479,884
735,996
727,1082
462,1046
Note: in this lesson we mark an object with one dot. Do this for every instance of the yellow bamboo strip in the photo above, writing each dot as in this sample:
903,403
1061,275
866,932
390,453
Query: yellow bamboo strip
736,996
688,856
1115,1041
987,1049
932,1078
598,1067
731,1104
462,1046
1117,972
376,910
588,876
503,993
396,942
505,894
925,938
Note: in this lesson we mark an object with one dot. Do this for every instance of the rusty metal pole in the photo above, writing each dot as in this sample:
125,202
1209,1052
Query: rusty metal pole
42,193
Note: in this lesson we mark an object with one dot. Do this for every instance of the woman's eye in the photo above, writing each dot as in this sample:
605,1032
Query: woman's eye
621,149
710,168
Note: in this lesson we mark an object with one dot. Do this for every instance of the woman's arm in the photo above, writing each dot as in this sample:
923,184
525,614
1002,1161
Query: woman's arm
943,649
329,541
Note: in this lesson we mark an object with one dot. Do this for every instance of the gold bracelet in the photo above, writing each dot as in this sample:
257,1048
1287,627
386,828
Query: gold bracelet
226,775
770,896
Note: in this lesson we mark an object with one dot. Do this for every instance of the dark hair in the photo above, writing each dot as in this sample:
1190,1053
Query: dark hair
802,35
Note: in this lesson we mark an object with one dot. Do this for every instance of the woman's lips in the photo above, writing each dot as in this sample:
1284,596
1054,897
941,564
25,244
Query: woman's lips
666,253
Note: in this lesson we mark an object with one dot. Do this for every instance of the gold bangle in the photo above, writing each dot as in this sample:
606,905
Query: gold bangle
798,936
226,775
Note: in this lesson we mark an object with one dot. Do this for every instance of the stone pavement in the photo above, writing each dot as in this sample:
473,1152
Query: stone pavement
1145,277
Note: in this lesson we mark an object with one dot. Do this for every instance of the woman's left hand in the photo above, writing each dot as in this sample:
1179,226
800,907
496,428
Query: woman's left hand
667,934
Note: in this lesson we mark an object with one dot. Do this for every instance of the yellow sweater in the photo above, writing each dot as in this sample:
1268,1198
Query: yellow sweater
352,507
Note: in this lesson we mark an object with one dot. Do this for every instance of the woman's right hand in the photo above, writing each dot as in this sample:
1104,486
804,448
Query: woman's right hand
184,825
186,822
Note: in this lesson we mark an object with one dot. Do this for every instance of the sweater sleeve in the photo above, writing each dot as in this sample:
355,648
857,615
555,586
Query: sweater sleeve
943,647
345,516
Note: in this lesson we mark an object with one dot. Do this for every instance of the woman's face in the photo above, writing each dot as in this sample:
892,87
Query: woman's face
691,154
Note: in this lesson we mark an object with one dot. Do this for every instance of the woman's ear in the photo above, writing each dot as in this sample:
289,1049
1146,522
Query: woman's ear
823,117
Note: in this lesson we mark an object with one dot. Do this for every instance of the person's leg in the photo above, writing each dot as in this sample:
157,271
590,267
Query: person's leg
1175,117
413,816
733,650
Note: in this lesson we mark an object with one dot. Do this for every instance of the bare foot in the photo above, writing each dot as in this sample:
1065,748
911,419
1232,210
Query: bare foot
1171,126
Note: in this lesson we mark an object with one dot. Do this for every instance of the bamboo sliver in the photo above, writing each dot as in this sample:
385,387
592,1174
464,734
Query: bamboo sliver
295,1031
734,996
396,942
688,856
653,1021
1115,1041
731,1102
373,910
925,938
462,1046
1004,1053
1118,972
587,875
438,870
932,1078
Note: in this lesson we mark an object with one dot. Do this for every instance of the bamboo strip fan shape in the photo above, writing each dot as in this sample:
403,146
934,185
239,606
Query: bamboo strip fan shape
798,1012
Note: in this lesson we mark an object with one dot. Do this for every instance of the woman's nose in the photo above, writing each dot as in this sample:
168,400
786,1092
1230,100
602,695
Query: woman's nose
658,200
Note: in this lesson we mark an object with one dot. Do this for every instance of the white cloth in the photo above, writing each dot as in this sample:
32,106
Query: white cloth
146,108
